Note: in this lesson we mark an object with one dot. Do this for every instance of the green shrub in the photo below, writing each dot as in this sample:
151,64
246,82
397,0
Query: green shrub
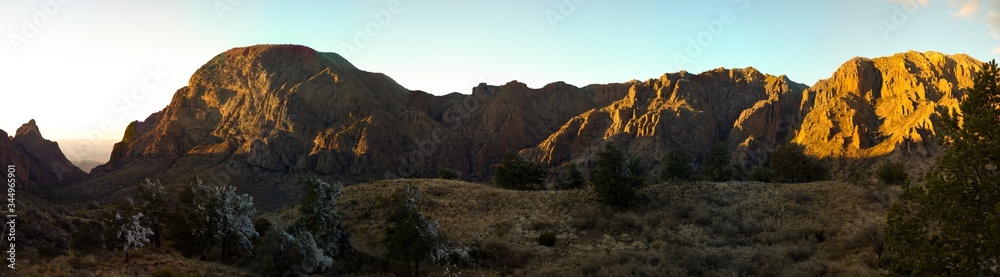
679,167
410,237
718,166
516,172
448,174
547,239
792,165
618,176
893,173
571,178
761,174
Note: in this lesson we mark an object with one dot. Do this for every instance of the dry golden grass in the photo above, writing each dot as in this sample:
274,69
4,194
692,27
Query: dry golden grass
736,228
674,229
143,262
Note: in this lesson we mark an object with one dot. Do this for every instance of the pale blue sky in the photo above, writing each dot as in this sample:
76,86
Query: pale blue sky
82,73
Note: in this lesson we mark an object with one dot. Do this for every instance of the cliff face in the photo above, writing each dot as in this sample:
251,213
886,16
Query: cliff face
257,117
748,111
873,107
263,113
40,165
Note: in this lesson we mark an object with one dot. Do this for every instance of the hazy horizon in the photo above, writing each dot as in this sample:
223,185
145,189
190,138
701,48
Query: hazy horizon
85,70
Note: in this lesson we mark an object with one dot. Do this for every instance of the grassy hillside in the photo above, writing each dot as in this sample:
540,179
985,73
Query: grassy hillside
708,229
676,229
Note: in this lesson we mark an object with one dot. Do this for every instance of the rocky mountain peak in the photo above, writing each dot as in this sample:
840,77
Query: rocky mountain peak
260,115
39,162
29,130
873,107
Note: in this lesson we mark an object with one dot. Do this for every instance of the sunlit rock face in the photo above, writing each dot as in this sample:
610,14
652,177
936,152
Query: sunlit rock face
872,107
747,110
259,117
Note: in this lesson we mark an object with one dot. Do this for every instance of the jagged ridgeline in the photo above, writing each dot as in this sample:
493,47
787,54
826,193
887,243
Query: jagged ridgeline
259,116
39,165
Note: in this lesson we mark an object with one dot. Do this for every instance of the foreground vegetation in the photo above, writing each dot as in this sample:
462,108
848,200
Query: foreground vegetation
694,228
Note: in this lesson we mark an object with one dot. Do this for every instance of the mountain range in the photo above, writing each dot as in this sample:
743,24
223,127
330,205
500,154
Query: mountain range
258,117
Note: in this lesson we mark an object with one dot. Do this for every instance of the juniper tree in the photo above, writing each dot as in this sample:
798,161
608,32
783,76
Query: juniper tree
718,166
679,167
571,178
790,164
220,216
282,254
411,236
517,172
153,204
951,224
617,176
318,216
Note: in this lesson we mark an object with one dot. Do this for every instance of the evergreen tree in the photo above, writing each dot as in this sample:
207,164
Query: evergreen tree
571,178
319,217
951,224
618,176
516,172
220,216
680,166
790,164
282,254
718,167
153,204
893,173
411,236
449,174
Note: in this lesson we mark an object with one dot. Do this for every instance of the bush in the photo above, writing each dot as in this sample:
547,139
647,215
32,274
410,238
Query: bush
680,166
218,216
718,166
411,237
618,176
792,165
499,254
516,172
893,173
547,239
571,178
761,174
88,237
448,174
319,217
282,254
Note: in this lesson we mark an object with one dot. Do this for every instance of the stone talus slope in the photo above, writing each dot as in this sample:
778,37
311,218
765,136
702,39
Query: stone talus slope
40,165
872,107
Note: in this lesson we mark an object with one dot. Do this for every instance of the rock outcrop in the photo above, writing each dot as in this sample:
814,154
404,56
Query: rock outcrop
261,114
873,107
40,165
258,117
747,110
